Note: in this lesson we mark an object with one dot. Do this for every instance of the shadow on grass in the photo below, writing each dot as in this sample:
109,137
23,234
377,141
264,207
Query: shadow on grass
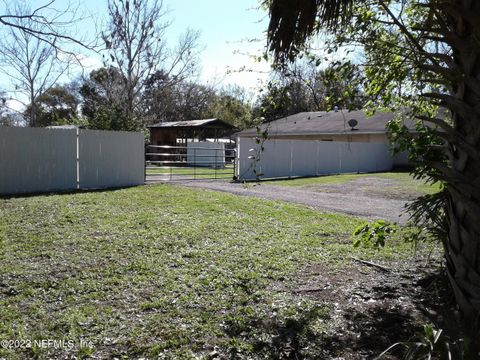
358,332
47,193
275,339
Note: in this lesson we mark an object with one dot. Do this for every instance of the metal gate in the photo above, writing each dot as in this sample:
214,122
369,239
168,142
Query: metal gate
191,162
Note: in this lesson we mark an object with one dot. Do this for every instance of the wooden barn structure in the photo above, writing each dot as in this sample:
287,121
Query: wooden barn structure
181,132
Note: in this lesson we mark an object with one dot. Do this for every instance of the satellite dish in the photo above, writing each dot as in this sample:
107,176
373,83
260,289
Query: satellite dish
352,123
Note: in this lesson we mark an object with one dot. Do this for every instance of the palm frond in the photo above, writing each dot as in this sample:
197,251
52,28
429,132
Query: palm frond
428,212
292,22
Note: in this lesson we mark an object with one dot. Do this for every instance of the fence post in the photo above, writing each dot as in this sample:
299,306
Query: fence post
291,158
78,157
145,151
170,159
234,164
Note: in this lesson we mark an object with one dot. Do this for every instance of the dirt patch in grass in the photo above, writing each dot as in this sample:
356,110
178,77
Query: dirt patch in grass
371,309
371,186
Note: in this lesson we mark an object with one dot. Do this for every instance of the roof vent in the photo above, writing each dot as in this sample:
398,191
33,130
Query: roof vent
352,123
335,108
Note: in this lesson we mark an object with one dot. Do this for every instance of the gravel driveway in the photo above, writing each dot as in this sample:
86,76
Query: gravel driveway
340,198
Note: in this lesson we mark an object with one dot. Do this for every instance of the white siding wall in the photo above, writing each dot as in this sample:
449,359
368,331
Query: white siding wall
203,153
290,158
111,159
37,160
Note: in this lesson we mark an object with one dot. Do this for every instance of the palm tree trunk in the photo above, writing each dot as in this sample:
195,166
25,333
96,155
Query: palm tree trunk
463,208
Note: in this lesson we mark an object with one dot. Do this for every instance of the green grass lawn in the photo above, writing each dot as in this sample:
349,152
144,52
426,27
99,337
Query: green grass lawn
401,180
163,271
198,172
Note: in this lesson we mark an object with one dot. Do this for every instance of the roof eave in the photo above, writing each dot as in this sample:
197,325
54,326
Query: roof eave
318,134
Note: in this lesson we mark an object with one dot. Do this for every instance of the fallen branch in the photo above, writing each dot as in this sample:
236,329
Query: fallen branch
368,263
308,290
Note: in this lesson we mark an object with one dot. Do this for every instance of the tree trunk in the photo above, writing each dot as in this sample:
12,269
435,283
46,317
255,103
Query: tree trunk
463,208
33,110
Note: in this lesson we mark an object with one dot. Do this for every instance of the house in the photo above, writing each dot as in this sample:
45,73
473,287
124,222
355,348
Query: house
315,143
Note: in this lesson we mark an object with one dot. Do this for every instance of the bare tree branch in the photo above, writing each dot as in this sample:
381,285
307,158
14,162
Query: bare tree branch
136,42
26,58
50,28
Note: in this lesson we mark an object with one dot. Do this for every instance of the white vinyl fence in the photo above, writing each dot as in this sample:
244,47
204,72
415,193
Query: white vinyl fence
41,160
111,159
292,158
34,160
204,153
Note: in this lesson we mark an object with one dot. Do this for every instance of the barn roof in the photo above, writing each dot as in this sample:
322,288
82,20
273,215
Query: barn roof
193,123
326,123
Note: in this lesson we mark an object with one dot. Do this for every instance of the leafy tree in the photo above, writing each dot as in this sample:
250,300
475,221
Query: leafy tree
338,84
165,99
280,100
302,86
232,105
103,100
423,54
5,119
8,117
191,101
58,105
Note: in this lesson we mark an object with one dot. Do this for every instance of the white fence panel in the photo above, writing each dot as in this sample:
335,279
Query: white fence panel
303,158
291,158
348,158
244,170
203,153
384,158
281,165
37,160
111,159
327,158
275,160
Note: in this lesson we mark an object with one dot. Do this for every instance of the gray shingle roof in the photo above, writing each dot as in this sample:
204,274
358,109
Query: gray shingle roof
326,123
190,123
